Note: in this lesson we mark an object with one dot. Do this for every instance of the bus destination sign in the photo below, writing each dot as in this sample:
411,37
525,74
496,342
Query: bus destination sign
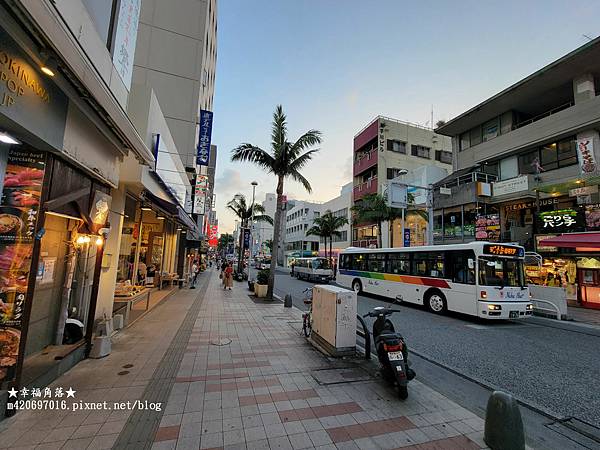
503,250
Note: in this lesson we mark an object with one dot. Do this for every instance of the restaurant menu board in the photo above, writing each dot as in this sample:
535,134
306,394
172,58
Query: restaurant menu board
487,228
592,217
19,209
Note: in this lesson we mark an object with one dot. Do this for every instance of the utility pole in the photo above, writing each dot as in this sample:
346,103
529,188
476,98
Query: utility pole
254,184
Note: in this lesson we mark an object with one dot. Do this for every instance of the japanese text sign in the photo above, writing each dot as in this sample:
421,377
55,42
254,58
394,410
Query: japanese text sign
203,154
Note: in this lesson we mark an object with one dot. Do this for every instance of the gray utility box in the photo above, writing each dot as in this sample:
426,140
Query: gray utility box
334,319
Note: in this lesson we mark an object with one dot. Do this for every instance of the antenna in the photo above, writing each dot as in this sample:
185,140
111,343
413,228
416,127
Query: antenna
432,124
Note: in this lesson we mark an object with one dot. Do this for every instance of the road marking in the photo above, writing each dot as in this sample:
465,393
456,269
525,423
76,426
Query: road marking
478,327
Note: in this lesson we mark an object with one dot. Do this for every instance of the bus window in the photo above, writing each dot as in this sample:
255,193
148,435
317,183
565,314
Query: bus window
430,264
462,271
320,263
359,262
346,262
398,263
376,262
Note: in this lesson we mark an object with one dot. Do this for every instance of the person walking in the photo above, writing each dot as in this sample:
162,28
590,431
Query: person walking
228,277
195,272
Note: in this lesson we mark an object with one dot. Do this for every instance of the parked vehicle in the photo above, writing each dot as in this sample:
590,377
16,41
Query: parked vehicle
313,269
391,350
264,263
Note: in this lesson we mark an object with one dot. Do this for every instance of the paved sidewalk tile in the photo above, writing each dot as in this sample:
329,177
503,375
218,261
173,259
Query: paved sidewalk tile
233,374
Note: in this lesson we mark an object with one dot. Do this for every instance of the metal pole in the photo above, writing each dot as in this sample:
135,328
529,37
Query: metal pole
430,215
402,235
254,184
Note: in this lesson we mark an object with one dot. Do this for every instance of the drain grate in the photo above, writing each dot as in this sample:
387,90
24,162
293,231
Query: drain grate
127,366
341,375
581,432
220,342
123,372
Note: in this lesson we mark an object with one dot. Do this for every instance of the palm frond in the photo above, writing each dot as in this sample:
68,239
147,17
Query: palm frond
297,176
279,127
263,218
251,153
301,161
307,140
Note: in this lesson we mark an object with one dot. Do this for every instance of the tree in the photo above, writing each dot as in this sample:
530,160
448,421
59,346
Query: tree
327,227
374,208
285,160
225,240
440,123
269,244
245,213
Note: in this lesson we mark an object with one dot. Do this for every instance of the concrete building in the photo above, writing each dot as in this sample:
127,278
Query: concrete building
263,231
299,218
380,151
526,169
176,56
340,207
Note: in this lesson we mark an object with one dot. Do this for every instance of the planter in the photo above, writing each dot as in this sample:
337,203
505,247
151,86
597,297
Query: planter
251,285
260,290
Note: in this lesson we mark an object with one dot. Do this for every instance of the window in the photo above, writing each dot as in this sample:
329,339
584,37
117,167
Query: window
398,263
396,146
475,136
376,262
567,152
465,141
500,272
526,162
420,151
428,264
392,173
359,262
490,129
443,156
458,264
346,262
102,13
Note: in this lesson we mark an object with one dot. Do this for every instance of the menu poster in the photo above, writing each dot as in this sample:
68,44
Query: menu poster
487,228
19,209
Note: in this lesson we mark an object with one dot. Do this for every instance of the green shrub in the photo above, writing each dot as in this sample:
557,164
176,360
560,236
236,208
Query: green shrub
262,277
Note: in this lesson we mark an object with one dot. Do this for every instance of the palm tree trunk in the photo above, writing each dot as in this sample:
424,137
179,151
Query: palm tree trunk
391,233
276,237
379,237
331,251
241,248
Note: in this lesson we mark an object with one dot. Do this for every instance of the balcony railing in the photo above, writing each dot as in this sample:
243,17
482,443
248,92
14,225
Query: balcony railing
368,187
367,161
365,243
470,178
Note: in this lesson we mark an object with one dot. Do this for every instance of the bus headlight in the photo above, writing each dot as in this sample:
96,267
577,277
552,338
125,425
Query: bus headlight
530,307
494,307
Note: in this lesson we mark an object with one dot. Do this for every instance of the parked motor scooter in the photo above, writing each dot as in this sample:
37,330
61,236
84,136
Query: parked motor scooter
391,350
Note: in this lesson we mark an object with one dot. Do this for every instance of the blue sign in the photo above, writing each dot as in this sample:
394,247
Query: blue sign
246,238
407,237
203,155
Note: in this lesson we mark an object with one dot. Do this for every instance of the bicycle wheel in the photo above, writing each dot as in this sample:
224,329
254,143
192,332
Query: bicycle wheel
306,324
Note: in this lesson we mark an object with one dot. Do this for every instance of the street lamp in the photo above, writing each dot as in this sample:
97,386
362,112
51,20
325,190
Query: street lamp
254,184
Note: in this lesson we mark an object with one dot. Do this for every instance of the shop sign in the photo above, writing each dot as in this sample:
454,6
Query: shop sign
100,208
503,250
544,248
213,235
531,204
585,154
381,138
203,155
407,237
23,181
487,228
484,189
125,39
445,191
199,203
592,217
511,186
29,98
562,220
586,190
246,238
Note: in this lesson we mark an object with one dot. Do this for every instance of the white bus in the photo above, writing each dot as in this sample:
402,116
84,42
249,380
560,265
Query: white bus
481,279
317,269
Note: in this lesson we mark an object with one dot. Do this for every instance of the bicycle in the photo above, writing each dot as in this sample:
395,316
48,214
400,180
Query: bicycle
307,316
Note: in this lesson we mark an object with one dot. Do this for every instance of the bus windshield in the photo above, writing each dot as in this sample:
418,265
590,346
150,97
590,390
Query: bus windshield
320,263
500,272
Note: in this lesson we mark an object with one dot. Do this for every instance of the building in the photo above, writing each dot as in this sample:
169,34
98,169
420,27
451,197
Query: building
526,170
381,151
176,57
109,194
340,206
262,232
299,219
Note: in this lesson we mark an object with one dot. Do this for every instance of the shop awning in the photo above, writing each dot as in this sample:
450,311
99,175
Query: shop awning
173,210
574,240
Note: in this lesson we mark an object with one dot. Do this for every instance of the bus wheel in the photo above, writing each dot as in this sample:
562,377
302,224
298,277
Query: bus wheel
436,302
357,287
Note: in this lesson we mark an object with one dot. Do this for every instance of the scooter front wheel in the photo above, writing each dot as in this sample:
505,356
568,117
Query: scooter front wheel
403,392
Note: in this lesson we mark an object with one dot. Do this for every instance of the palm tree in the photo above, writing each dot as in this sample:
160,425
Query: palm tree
225,240
269,244
327,227
374,208
319,229
285,160
245,213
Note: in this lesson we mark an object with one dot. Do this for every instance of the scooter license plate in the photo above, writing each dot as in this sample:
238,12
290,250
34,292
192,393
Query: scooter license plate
395,356
514,314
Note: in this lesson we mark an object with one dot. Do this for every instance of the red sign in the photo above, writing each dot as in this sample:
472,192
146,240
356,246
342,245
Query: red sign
213,231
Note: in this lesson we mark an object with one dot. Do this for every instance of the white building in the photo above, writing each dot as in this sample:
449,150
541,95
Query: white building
299,219
340,206
263,231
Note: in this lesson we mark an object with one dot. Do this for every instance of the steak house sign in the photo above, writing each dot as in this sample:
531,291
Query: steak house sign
18,78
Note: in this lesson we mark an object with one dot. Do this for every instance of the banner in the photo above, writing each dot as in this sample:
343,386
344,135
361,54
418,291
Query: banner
199,204
203,155
585,154
213,232
19,210
125,38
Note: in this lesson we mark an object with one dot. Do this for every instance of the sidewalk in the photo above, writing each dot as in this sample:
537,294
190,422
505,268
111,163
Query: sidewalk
234,374
584,315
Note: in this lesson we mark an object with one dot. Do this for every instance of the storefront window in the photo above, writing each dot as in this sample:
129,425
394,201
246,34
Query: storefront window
471,213
452,223
129,238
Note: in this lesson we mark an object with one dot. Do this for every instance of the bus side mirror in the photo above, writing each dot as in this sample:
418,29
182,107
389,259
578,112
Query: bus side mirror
471,263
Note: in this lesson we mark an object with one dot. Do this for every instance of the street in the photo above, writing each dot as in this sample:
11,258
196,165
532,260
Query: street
549,368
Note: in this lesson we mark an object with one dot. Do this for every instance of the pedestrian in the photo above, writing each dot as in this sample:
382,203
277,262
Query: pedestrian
228,277
194,274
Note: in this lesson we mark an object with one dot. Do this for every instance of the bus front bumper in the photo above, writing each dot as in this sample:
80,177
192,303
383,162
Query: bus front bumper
504,310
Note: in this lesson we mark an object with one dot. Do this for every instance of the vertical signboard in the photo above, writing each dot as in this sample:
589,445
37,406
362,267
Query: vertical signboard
407,237
203,154
212,235
200,194
125,38
585,154
19,211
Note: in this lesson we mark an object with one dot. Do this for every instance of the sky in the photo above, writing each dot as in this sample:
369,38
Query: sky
335,65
